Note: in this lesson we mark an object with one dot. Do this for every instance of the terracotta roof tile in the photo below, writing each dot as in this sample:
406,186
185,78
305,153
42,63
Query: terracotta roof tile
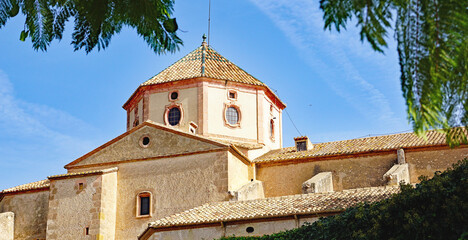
359,145
247,145
28,186
275,207
76,174
191,66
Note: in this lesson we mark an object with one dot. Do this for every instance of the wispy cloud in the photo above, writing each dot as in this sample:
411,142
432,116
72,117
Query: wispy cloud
334,55
36,139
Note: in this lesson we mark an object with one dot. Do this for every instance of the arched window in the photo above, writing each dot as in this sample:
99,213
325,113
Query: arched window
137,118
144,207
272,129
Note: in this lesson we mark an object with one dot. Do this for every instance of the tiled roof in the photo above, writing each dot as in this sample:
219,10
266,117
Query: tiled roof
240,144
28,186
203,62
76,174
359,145
275,207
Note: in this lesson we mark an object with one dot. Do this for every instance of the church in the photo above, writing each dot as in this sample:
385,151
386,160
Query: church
203,158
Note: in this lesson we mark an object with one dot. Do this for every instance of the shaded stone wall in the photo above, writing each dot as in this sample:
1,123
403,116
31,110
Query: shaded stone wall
427,162
351,173
238,230
30,210
355,172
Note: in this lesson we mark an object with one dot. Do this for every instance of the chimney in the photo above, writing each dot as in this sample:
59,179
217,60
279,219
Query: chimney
303,144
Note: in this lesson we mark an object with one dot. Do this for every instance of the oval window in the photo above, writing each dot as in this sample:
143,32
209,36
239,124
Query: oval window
232,115
173,117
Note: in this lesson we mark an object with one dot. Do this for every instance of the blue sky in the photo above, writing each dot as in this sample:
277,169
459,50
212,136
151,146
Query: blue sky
57,105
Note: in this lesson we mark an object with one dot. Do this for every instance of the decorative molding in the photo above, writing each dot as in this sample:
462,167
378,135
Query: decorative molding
234,92
239,113
170,93
140,141
166,113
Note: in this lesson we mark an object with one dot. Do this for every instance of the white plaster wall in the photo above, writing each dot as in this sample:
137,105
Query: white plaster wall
275,114
238,173
108,205
238,230
217,97
303,221
260,228
7,226
188,100
207,233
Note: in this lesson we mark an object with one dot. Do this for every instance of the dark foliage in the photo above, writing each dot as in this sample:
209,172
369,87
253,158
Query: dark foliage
435,209
95,21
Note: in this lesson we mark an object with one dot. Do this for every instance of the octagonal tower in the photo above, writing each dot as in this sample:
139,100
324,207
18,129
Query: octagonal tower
204,93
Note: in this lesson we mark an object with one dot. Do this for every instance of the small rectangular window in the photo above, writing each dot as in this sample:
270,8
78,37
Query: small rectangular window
80,186
87,230
301,146
232,95
144,206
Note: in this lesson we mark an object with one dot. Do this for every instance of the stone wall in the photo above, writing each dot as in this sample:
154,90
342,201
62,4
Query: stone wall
355,172
427,162
83,207
30,210
351,173
162,143
176,184
74,213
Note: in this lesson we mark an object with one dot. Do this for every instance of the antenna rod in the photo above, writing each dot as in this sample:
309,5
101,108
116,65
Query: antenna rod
209,20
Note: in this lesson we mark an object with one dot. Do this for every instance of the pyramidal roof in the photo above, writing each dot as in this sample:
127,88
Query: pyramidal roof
203,62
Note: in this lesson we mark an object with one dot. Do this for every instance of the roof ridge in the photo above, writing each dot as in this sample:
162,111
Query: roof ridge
204,61
357,145
27,186
180,60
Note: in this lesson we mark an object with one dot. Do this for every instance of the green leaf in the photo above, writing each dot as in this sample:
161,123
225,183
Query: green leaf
14,9
171,25
24,34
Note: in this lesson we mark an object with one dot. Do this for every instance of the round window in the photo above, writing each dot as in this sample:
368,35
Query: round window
174,95
232,115
145,141
173,117
249,229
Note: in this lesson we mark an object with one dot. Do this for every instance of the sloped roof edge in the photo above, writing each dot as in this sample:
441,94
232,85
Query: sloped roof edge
148,123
